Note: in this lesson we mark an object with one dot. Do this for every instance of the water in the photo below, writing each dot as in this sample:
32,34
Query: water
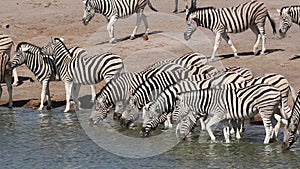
57,140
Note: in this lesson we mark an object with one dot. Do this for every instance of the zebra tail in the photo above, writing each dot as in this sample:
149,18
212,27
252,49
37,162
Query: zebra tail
151,7
273,24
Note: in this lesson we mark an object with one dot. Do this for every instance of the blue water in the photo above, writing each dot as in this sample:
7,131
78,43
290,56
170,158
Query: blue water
57,140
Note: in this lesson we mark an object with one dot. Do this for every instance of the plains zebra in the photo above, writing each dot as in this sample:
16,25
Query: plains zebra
289,15
110,95
230,20
114,93
42,66
6,46
81,70
193,5
291,135
232,104
115,9
165,103
5,74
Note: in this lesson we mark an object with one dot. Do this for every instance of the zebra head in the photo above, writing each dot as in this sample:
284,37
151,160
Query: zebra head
291,133
149,112
20,57
99,110
88,13
191,26
286,20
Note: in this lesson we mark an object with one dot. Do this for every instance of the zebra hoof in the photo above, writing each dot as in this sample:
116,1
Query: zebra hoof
132,37
145,37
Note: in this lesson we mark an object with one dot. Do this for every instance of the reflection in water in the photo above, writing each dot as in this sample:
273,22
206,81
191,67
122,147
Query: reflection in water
57,140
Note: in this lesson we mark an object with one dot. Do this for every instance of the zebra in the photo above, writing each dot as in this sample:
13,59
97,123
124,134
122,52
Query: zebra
230,20
231,104
165,103
110,95
291,134
289,15
42,66
81,70
193,5
6,45
115,9
5,74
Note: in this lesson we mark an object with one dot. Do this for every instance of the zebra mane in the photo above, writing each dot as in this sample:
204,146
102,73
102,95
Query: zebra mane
198,9
62,43
290,6
28,44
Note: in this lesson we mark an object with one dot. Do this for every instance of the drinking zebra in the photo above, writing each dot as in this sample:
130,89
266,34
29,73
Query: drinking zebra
229,103
165,103
110,95
42,66
230,20
5,74
115,9
81,70
6,46
289,15
291,135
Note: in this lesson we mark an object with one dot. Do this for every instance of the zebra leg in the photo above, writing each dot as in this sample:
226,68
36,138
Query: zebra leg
93,90
269,129
216,46
45,83
226,132
138,22
8,80
228,40
16,79
110,29
75,93
147,30
68,88
49,105
256,32
176,7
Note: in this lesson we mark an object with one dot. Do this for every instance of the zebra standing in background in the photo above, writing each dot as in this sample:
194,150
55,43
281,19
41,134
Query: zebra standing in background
6,46
115,9
5,74
292,134
42,66
81,70
289,15
229,103
230,20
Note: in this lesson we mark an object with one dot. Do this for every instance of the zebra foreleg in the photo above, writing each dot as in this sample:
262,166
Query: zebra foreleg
68,88
75,93
176,7
93,90
139,16
16,79
147,30
110,28
45,83
228,40
269,129
216,46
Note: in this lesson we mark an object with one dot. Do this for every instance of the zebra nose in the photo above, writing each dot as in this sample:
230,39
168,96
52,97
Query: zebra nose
186,37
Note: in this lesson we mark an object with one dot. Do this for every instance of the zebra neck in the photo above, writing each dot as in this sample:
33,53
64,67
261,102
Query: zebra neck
206,17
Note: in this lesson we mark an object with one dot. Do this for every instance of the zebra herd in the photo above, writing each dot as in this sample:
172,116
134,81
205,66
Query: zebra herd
179,91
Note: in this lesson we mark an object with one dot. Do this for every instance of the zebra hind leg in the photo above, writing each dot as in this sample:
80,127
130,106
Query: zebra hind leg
8,80
228,40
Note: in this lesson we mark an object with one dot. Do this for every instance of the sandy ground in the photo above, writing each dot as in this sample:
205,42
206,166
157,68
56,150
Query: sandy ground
35,21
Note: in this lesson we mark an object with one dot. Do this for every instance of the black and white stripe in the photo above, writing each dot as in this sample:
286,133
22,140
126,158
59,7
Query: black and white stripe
165,102
232,104
82,70
5,74
289,15
115,9
236,19
7,46
193,5
292,133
